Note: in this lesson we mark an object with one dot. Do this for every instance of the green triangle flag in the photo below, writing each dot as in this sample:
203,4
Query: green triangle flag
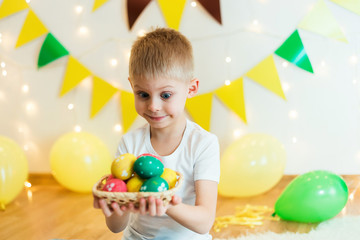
51,50
293,50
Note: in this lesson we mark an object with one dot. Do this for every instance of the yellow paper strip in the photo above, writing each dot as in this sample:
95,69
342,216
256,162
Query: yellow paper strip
128,111
102,93
9,7
320,20
199,108
233,97
75,73
172,11
266,75
32,28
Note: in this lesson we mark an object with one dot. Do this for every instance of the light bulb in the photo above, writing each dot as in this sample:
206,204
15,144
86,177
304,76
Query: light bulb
79,9
227,82
237,133
30,107
83,30
2,64
293,114
113,62
285,64
77,128
193,4
28,1
117,128
4,73
141,33
294,139
228,59
285,86
25,88
27,184
70,106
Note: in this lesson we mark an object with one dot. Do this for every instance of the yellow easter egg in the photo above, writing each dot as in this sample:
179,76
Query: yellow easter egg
170,176
134,184
122,166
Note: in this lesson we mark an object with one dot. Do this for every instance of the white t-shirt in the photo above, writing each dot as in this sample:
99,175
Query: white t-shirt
197,158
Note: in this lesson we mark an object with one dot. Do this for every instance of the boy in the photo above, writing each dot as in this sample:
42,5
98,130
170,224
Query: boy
161,76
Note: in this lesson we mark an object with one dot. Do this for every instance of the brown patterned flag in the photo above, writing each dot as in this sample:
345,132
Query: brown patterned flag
134,9
212,7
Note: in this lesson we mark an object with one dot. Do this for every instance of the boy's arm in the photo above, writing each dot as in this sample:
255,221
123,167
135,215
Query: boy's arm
201,217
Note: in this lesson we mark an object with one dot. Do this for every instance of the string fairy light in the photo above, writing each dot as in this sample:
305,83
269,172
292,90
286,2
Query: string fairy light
79,9
113,62
77,128
193,4
25,88
228,59
70,106
227,82
117,128
293,114
3,64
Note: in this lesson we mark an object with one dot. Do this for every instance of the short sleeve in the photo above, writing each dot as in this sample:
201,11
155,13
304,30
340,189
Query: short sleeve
207,163
122,148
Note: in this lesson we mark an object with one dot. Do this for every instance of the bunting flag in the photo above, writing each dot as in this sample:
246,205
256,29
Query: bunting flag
134,9
102,93
9,7
51,50
75,73
266,75
321,21
98,3
213,8
32,28
128,111
293,50
233,97
172,11
199,108
351,5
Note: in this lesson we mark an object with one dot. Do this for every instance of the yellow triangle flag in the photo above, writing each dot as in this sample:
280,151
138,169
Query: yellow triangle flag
128,111
75,73
320,20
102,93
233,97
351,5
172,11
9,7
199,108
98,3
265,74
31,29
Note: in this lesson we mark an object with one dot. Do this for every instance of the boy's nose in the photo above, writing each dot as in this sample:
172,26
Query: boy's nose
154,105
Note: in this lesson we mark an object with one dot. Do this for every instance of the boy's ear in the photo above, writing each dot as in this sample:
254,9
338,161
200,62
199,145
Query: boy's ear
130,83
193,87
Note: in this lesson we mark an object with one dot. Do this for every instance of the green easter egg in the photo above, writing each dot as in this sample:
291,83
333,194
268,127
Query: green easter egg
155,184
148,166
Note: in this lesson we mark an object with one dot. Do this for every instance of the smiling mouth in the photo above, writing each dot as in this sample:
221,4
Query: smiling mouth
156,118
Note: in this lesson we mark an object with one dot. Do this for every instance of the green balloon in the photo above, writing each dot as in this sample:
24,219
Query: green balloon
312,197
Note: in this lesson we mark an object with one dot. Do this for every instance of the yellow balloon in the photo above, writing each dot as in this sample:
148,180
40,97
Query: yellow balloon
79,160
13,170
251,165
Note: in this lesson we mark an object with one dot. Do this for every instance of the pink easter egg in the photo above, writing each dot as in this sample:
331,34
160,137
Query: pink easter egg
115,185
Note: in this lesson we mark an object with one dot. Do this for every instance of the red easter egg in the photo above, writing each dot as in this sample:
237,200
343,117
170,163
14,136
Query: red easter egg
152,155
115,185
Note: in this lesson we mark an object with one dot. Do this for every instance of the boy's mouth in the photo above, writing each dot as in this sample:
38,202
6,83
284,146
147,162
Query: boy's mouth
156,118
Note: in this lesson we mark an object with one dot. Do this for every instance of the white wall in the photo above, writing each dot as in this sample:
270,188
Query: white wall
327,102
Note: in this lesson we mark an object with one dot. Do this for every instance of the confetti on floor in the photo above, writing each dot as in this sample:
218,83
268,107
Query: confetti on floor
249,215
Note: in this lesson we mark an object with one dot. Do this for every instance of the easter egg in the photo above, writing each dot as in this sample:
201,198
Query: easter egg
134,184
170,177
148,166
122,166
115,185
155,184
152,155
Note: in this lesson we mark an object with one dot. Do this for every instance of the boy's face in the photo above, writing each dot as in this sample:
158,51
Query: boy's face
161,101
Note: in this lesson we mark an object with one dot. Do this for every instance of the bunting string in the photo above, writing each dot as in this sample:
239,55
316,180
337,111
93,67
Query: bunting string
319,20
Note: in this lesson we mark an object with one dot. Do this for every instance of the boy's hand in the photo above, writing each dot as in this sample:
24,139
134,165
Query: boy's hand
153,207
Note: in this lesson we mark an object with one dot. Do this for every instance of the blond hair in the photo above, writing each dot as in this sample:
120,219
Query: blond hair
162,52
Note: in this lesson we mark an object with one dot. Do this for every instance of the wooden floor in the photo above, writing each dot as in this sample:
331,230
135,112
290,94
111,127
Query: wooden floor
48,211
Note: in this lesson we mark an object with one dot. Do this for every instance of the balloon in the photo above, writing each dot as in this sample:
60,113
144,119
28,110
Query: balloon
79,160
312,197
13,170
251,165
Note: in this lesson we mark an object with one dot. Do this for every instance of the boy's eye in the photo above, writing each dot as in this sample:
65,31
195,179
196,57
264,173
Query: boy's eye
143,94
165,95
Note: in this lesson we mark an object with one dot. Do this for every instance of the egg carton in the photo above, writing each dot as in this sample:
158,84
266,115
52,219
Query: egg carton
124,198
